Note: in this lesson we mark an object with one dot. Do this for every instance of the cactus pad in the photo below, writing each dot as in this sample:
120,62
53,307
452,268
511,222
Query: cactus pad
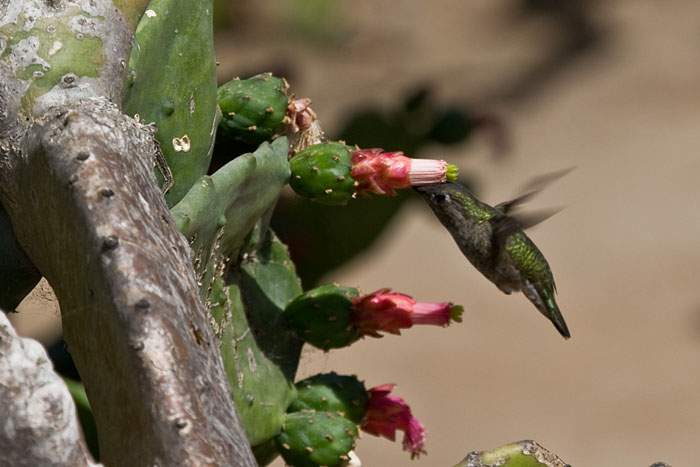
322,316
313,439
171,80
330,392
322,173
253,109
225,218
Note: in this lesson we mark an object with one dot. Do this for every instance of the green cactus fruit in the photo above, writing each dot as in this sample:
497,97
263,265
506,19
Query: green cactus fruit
171,80
322,316
331,392
322,173
313,439
254,109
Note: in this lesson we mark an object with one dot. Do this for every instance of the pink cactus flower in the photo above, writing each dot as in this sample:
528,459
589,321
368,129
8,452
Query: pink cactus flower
383,173
389,312
384,414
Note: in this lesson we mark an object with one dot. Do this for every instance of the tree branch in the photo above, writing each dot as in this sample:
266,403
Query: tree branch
95,223
38,423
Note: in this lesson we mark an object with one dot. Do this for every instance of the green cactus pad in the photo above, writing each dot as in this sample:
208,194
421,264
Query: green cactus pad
225,218
261,391
254,109
322,173
322,316
171,80
260,354
219,211
268,282
313,439
331,392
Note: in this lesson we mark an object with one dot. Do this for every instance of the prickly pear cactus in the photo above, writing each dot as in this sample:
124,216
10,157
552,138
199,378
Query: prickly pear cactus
253,109
220,210
246,281
171,81
322,316
331,392
313,439
322,173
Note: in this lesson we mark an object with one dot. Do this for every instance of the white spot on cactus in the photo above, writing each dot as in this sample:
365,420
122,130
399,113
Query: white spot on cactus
192,105
57,45
150,13
182,144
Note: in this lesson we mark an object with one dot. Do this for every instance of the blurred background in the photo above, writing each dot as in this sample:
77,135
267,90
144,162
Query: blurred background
507,90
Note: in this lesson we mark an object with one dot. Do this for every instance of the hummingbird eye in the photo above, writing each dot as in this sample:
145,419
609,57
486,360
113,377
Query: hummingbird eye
441,198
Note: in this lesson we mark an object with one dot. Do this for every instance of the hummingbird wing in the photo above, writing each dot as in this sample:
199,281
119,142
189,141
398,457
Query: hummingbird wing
534,186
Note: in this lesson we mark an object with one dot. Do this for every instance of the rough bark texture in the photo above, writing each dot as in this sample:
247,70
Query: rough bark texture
86,206
76,178
36,407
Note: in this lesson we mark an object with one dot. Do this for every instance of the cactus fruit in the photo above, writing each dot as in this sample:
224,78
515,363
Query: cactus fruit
254,109
323,316
322,173
377,411
332,316
330,174
171,80
331,392
313,439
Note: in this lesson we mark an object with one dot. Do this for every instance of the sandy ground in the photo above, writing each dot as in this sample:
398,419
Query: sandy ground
625,390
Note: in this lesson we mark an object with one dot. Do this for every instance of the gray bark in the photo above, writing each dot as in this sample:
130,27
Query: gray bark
36,407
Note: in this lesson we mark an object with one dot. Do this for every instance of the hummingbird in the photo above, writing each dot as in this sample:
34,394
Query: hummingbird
496,245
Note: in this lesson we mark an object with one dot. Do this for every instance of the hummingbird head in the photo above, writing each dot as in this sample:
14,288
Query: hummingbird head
440,193
445,199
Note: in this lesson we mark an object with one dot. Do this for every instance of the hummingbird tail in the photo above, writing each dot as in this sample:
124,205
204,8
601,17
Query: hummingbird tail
556,318
548,306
